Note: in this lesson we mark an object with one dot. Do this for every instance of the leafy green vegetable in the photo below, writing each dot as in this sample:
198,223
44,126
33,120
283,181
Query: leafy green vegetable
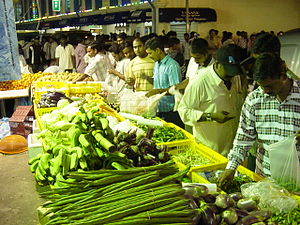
165,134
290,218
236,183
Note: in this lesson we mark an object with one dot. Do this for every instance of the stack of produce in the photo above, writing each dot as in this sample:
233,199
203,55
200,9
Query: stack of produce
63,76
234,208
51,98
148,195
78,137
165,134
23,83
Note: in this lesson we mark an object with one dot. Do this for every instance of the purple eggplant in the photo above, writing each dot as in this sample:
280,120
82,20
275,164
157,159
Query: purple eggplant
213,207
247,204
241,213
236,196
209,198
230,216
224,201
208,217
248,220
263,214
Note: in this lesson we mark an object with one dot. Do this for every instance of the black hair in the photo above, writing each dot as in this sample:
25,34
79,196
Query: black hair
127,44
199,46
172,33
266,43
115,48
96,45
173,41
122,35
268,65
154,43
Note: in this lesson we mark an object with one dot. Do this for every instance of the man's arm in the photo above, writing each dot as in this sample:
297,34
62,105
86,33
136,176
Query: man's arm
244,140
116,73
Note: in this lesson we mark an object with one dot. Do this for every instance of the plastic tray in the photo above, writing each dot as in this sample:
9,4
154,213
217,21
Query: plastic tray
217,161
45,86
38,112
242,170
181,144
85,87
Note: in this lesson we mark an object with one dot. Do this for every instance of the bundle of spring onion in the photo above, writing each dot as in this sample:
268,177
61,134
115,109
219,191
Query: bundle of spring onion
145,195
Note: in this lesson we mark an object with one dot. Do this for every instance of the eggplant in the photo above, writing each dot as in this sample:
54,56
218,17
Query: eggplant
197,219
193,204
230,216
247,204
208,217
209,198
248,220
218,218
224,201
213,207
263,214
241,213
236,196
196,190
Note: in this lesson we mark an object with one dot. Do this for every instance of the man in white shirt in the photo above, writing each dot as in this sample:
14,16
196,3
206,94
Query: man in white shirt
99,63
65,55
212,102
116,76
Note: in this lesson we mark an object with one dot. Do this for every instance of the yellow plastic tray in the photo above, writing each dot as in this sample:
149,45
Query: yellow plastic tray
217,161
42,87
38,112
85,87
181,144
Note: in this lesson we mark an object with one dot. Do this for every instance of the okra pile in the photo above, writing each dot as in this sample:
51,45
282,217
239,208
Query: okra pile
144,195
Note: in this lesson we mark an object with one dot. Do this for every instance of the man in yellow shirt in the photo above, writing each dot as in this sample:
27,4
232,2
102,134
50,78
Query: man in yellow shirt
140,69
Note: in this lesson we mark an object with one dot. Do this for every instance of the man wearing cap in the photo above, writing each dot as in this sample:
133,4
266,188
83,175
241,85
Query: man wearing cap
212,102
270,114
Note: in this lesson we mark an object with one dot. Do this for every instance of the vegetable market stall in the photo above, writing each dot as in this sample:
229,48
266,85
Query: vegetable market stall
101,175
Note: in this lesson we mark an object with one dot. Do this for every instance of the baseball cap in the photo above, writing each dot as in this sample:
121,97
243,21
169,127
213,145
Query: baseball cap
230,56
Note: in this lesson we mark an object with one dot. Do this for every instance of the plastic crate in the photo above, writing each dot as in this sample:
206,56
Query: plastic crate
38,112
196,177
45,86
85,87
34,145
217,161
180,144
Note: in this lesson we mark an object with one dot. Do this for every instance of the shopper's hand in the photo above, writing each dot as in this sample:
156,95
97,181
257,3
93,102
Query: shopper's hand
221,117
153,92
130,81
112,71
225,179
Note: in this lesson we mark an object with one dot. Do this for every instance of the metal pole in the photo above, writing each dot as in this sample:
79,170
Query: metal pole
187,16
154,17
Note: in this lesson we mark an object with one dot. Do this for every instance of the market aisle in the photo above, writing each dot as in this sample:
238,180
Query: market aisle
18,196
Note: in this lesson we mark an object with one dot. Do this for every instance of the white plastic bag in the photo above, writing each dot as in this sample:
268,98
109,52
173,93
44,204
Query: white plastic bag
284,162
137,103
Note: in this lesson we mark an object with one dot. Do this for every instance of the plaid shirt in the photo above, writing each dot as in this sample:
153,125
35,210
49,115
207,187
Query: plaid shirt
266,120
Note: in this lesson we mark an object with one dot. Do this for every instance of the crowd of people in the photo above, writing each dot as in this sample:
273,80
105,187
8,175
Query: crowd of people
230,92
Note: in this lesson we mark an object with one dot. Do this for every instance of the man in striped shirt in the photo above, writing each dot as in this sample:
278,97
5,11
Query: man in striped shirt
140,70
269,114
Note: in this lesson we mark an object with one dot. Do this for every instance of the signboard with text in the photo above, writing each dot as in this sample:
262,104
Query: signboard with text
179,15
55,5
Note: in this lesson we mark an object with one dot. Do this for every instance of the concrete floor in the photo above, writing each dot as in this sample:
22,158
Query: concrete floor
19,198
